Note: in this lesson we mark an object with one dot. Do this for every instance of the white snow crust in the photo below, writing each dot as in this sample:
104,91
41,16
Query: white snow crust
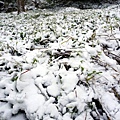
54,62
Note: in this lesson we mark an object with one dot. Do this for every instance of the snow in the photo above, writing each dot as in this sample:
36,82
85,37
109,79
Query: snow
54,63
53,90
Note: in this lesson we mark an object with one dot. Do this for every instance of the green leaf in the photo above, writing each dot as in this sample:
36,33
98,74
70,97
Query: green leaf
14,78
82,69
92,75
34,61
21,35
89,74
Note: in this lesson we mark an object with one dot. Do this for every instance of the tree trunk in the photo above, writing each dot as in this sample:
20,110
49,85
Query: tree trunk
21,6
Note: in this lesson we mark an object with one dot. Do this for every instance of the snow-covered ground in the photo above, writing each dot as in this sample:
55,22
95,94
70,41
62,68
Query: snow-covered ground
61,64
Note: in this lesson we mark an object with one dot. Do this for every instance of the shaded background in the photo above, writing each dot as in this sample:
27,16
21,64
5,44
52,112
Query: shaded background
11,5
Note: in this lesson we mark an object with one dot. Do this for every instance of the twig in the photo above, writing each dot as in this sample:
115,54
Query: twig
115,57
76,94
105,64
117,95
107,35
25,71
112,39
67,40
51,49
86,116
43,92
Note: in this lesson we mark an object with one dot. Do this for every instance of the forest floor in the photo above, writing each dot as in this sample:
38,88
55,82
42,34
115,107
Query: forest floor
60,64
